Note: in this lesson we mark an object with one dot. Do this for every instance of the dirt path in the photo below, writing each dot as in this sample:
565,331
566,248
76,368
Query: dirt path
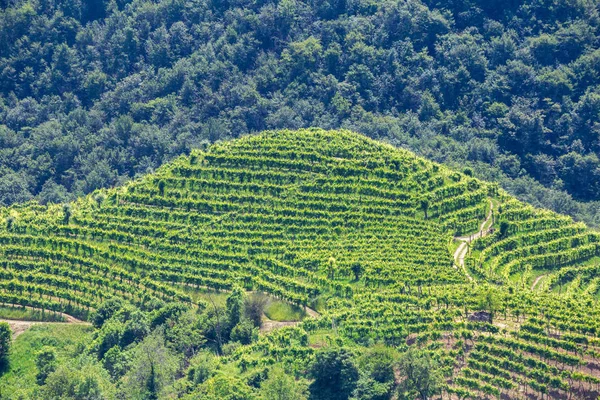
268,324
537,280
311,313
18,327
461,252
482,231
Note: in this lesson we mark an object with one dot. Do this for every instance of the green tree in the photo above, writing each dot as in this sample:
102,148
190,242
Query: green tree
45,362
153,368
66,213
368,388
243,332
378,361
235,306
331,268
282,386
254,307
79,379
357,270
202,367
488,301
105,311
422,378
5,341
335,374
222,387
425,205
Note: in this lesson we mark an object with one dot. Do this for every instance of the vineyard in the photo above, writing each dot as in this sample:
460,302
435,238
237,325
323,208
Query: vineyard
331,220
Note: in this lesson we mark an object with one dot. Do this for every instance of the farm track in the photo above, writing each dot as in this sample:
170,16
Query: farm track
537,280
463,249
18,327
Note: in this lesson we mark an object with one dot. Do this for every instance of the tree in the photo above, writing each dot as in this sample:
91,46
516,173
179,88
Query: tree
425,206
153,368
504,225
282,386
13,189
254,307
45,361
368,388
202,367
135,329
378,361
5,338
243,332
66,213
334,373
184,334
223,387
422,377
488,301
105,311
357,270
331,268
81,378
235,306
213,324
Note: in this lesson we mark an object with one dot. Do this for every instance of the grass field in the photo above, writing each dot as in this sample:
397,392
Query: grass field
281,311
68,341
27,314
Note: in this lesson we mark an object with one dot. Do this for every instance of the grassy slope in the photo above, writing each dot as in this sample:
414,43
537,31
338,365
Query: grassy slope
67,340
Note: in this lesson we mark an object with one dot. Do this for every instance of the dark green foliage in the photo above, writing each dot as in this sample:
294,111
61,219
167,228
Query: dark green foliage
135,329
5,340
335,374
45,363
378,362
66,213
357,270
235,306
105,311
77,379
151,384
117,89
202,367
368,388
164,313
243,332
254,307
422,377
281,386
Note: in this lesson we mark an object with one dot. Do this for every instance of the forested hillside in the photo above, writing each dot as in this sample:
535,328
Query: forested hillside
93,93
410,280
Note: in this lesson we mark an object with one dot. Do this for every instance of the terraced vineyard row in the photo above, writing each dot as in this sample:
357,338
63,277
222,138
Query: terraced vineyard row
269,218
314,215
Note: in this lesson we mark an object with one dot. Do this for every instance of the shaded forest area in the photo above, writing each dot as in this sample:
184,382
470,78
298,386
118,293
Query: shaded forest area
95,92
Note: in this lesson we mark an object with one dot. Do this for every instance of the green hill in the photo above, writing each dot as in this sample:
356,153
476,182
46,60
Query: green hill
360,231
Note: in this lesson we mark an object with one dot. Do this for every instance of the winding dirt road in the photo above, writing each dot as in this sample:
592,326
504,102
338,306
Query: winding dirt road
463,249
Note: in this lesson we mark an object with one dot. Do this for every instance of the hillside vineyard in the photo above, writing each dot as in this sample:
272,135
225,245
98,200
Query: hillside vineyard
312,213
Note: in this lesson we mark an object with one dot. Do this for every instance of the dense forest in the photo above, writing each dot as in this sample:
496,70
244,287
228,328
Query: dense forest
93,93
